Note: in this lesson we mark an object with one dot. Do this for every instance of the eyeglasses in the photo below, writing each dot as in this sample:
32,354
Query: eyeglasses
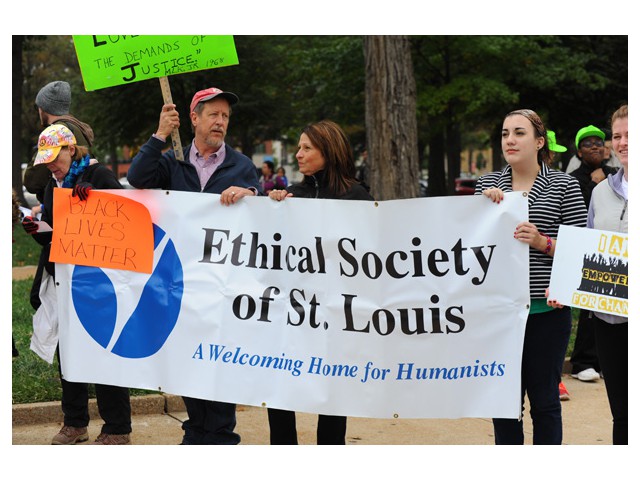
591,143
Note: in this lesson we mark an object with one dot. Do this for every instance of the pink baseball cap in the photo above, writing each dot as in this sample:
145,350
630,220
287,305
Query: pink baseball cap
209,93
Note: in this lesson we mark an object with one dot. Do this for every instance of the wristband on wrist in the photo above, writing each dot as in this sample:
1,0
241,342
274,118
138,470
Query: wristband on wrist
549,244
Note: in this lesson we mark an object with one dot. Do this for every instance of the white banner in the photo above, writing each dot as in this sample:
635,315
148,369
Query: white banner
406,308
591,270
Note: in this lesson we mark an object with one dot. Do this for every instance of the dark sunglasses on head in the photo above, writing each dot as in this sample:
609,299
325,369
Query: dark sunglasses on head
591,143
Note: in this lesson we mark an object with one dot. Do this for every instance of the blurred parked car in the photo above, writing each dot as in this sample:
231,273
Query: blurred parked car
465,186
124,182
31,199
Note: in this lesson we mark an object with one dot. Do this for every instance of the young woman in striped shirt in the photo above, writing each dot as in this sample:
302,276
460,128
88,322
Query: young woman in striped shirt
554,199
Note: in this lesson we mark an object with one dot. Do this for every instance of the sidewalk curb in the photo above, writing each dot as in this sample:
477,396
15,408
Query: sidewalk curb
50,412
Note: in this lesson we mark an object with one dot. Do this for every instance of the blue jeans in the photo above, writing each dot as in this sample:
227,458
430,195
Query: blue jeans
545,345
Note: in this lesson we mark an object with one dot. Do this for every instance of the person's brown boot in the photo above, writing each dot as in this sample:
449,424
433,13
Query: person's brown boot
112,439
70,436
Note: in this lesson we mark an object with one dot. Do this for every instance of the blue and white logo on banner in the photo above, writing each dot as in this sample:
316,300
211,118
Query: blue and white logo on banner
155,315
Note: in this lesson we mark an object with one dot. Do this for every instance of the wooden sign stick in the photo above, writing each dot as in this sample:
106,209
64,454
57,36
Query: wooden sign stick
175,135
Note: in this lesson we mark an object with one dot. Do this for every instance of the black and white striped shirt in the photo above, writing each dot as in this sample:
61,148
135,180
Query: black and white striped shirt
555,199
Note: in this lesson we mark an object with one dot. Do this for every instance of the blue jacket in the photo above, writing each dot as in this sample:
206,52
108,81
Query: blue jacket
151,168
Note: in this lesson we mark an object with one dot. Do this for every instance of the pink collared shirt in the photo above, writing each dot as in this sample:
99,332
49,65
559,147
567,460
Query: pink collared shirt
206,166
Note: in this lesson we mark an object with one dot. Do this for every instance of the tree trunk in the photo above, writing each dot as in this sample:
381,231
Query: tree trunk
437,182
390,115
247,144
16,117
113,153
497,161
453,155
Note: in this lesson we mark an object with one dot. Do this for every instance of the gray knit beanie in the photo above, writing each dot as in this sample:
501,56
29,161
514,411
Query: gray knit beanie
55,98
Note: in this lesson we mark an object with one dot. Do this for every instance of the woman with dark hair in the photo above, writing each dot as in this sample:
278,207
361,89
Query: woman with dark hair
554,199
325,158
267,179
282,181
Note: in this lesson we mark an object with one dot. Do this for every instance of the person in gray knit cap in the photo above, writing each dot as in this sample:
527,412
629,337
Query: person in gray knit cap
53,102
54,98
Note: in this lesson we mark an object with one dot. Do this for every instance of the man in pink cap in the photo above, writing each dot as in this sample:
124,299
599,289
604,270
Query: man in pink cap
210,166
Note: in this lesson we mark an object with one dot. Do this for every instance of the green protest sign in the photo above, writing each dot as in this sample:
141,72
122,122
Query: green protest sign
110,60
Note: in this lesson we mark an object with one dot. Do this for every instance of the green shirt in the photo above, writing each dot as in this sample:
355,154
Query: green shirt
539,305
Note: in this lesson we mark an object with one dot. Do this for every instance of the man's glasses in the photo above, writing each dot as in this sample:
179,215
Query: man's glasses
591,143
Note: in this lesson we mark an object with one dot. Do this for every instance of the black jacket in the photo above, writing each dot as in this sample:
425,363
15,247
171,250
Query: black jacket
151,168
315,186
583,175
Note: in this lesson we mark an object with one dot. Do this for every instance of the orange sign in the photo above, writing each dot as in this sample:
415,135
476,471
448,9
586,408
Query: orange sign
105,230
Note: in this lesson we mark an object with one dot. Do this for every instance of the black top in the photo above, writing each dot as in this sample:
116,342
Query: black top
315,186
583,175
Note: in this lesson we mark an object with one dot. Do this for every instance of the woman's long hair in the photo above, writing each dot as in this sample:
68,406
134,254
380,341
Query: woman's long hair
544,156
80,152
334,146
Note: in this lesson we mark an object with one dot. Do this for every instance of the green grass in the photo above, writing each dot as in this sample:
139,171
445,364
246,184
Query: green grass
33,379
26,250
575,312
